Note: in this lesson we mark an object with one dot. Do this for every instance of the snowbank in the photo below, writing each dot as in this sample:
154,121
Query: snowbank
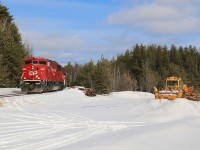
121,120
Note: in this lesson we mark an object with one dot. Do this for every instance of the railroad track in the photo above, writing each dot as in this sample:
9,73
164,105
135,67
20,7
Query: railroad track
11,95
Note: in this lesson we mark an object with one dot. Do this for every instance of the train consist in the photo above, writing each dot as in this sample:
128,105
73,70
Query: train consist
41,75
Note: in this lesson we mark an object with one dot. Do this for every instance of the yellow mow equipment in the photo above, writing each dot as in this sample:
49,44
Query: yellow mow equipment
174,88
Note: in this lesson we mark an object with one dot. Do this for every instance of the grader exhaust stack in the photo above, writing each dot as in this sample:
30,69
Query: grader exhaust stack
174,88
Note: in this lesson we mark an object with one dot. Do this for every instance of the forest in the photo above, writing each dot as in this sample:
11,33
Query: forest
137,69
12,50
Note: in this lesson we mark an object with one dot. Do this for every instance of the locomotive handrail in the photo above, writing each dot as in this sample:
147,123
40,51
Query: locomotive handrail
22,75
63,78
44,78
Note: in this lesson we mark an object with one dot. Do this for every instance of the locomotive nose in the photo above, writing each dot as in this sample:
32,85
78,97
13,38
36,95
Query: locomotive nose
32,72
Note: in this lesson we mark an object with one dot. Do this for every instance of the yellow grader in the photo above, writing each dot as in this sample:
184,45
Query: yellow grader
174,88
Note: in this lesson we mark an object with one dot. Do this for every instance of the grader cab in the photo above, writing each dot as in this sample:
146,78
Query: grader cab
174,88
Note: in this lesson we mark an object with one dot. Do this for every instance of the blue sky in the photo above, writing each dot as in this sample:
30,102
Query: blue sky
81,30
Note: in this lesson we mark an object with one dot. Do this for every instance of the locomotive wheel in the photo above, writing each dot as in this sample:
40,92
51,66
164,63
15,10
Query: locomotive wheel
25,90
60,87
32,86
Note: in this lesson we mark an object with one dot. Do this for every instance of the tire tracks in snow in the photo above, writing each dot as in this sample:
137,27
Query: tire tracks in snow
52,129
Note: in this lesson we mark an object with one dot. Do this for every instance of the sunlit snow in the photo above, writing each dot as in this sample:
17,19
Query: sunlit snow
119,121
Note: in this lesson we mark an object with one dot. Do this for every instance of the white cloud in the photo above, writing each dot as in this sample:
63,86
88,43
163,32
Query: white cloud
64,36
182,26
159,18
55,41
59,47
68,55
65,47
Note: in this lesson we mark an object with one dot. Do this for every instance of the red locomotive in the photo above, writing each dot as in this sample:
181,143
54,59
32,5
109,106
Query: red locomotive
41,75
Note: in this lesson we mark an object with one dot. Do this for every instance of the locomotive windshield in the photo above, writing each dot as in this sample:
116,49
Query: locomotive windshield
35,62
172,83
43,62
28,62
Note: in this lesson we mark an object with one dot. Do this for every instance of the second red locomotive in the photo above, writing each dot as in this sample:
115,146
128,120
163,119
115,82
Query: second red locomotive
41,75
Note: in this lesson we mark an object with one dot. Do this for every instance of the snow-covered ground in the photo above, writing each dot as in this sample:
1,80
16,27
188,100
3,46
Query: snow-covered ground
69,120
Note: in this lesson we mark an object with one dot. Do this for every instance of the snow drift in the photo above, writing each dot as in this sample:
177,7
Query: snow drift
122,120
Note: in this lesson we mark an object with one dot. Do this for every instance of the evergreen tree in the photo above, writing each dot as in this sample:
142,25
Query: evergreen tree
174,55
102,77
12,51
151,64
84,78
141,68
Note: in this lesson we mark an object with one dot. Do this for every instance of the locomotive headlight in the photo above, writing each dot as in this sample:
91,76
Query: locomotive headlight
37,77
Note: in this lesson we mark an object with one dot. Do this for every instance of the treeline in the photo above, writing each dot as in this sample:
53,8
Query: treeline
12,51
140,68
